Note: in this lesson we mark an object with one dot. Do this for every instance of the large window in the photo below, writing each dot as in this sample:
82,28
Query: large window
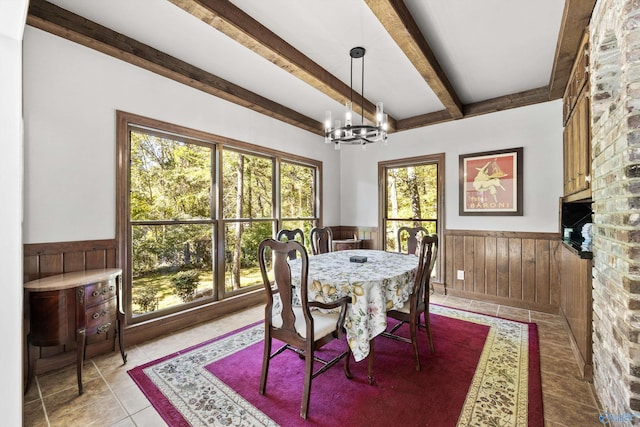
298,198
249,217
412,196
192,210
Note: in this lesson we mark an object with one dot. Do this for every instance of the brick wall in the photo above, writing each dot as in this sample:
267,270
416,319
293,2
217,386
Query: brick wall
615,109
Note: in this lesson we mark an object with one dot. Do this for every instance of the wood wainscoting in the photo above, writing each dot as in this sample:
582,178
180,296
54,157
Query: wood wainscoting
48,259
519,269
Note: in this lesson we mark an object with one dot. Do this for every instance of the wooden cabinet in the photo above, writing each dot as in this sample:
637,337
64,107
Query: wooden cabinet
577,129
576,305
67,308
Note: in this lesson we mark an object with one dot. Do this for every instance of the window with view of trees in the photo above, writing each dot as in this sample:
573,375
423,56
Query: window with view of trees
413,196
171,223
298,198
193,210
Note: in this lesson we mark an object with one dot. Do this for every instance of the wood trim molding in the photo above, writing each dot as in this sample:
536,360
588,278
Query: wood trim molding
33,249
507,234
575,19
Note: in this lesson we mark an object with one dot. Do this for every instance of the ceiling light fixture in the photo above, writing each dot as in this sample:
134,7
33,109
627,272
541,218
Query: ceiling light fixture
351,134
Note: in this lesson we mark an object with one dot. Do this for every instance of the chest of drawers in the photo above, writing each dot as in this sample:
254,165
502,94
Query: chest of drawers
69,307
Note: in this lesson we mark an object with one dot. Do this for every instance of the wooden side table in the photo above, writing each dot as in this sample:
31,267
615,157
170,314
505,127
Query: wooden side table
344,245
68,307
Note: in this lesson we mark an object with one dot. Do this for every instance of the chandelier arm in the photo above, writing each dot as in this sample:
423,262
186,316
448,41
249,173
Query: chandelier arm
362,94
351,83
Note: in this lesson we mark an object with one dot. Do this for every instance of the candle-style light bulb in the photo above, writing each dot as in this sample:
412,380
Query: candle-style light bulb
379,114
348,114
327,127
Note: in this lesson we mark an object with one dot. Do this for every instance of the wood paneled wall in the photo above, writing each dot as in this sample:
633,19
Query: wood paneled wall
576,302
48,259
519,269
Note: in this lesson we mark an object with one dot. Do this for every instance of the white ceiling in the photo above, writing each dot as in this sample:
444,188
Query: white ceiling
487,48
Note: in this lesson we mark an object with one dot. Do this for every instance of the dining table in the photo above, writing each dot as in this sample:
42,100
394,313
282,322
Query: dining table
376,281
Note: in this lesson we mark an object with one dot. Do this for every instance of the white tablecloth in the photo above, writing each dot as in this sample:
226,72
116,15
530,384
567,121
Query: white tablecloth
382,283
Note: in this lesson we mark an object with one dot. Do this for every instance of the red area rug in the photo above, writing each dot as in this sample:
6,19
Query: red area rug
485,372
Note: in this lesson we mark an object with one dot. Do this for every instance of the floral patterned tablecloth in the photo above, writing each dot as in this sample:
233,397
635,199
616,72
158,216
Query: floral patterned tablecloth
382,283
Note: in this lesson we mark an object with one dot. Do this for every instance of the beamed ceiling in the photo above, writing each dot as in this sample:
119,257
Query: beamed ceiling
428,61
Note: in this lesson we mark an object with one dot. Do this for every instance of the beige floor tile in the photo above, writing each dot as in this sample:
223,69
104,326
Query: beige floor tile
96,406
127,422
538,316
148,418
111,397
571,389
558,351
567,413
66,378
484,308
113,360
33,394
33,415
437,298
132,398
558,366
513,313
457,302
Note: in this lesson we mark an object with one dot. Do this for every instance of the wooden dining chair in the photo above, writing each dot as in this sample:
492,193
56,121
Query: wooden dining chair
301,328
321,240
295,234
414,234
418,303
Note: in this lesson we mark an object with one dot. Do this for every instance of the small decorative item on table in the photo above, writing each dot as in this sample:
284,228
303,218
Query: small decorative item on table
358,258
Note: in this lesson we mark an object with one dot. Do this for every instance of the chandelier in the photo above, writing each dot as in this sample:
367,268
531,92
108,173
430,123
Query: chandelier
351,134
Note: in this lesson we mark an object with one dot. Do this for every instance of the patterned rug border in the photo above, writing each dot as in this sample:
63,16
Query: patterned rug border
532,392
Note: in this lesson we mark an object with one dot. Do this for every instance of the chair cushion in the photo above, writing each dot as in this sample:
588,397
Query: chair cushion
405,308
323,323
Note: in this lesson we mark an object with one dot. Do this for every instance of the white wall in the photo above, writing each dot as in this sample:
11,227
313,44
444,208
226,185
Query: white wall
537,128
12,18
71,94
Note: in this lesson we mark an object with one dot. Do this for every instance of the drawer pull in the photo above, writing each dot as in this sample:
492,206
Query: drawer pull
95,293
104,291
98,314
103,329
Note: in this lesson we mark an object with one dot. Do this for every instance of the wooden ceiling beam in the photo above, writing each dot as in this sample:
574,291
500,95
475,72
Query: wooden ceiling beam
575,19
507,102
55,20
515,100
227,18
396,18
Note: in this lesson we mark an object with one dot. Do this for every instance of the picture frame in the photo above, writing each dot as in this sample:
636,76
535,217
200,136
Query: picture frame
491,182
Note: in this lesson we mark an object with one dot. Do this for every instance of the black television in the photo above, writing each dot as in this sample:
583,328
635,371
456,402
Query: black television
573,217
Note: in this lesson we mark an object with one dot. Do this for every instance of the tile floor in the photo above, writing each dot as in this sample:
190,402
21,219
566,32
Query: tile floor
112,399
